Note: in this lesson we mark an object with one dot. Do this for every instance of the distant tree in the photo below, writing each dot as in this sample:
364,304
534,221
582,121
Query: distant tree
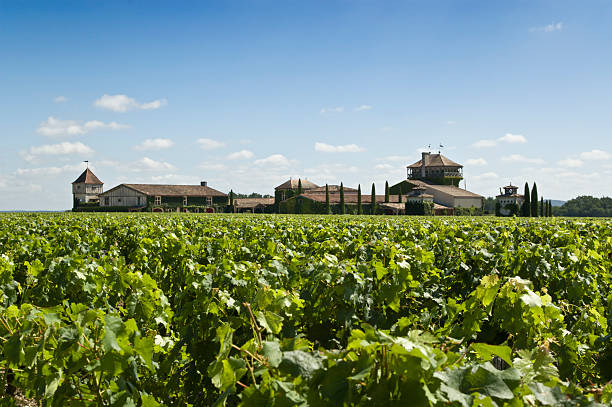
373,200
298,204
342,207
534,201
327,206
550,209
386,191
542,207
299,191
497,209
231,201
359,209
526,208
585,206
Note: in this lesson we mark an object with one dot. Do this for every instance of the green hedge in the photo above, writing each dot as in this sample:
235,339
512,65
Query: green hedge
419,208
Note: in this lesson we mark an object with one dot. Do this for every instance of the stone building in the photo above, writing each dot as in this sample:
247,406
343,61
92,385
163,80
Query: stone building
86,188
438,176
165,198
510,201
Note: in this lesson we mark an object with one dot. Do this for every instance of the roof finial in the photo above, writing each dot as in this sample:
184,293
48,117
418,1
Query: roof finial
86,163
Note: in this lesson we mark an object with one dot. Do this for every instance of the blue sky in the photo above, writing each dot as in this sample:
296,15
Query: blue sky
245,94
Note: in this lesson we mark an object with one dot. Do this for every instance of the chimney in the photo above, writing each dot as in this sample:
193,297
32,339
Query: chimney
204,184
424,159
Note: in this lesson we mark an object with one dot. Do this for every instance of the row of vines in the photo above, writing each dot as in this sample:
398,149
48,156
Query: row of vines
148,310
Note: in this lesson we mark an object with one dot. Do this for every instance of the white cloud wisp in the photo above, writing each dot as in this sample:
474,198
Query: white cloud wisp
123,103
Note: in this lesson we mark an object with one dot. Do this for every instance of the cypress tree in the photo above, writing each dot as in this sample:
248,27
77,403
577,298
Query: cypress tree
542,207
231,200
526,208
299,191
373,201
327,207
359,209
550,209
534,201
342,208
386,191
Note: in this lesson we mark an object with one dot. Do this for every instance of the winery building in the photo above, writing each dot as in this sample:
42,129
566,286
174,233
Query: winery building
439,176
165,198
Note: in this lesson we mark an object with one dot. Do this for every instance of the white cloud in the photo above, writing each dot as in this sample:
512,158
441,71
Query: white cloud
123,103
595,155
450,122
517,158
570,162
512,138
507,138
386,129
53,127
49,171
276,160
363,108
328,148
476,161
338,109
209,144
154,144
241,155
548,28
60,99
147,164
61,149
484,143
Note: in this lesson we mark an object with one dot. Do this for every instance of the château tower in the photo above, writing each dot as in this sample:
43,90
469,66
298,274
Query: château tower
86,188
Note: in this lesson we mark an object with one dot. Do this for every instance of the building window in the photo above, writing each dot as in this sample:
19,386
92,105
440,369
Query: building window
209,200
106,201
119,200
158,200
138,201
184,201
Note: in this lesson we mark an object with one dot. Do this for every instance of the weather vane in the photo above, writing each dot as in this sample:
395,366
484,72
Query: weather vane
86,163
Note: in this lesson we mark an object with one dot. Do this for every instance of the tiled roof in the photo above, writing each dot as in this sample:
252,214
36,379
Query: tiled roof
448,189
293,184
88,177
436,160
332,188
172,190
252,202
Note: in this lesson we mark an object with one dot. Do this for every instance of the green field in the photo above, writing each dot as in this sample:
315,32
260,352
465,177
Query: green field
149,309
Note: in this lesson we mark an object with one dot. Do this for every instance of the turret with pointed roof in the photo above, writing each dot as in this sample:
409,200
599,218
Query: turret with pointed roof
86,188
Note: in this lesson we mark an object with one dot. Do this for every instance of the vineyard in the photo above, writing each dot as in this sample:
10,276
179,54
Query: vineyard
146,310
